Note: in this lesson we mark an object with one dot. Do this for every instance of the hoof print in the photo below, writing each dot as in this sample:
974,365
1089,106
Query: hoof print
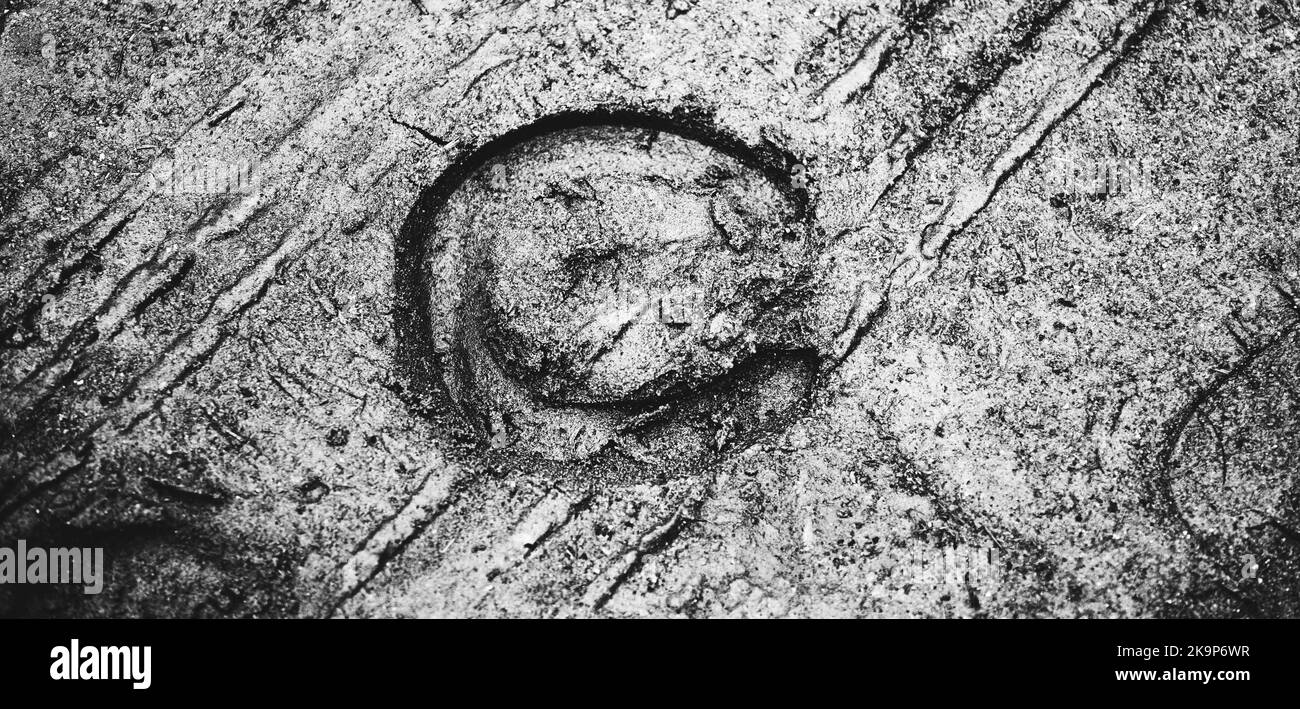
615,286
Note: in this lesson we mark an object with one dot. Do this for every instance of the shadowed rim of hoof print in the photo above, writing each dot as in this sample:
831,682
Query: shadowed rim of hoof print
484,405
1220,474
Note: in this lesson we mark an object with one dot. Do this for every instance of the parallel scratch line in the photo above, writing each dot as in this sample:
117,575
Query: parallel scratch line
387,540
971,199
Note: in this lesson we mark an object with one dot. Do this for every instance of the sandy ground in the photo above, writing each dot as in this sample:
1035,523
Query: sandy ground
991,307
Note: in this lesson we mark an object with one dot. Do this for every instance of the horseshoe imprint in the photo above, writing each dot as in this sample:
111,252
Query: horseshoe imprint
620,286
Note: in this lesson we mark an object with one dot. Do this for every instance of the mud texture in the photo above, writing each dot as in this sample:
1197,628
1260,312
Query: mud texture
706,308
